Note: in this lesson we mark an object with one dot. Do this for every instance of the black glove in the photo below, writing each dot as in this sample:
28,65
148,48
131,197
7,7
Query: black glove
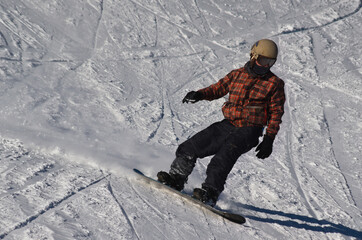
265,148
192,97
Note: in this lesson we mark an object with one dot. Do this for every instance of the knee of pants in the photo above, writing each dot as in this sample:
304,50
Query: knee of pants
185,150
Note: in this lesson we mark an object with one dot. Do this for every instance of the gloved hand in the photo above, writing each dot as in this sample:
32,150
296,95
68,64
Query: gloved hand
265,148
192,97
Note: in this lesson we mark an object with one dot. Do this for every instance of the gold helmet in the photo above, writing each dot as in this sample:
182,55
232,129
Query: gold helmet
265,48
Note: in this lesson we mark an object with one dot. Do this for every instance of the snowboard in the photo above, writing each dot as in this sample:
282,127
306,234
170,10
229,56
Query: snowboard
236,218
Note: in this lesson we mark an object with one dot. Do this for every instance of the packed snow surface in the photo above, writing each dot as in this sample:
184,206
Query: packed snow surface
90,89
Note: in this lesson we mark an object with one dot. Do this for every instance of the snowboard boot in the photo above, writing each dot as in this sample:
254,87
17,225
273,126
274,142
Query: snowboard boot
206,195
175,181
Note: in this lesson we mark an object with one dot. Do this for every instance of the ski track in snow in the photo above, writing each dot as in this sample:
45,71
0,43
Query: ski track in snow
296,30
122,209
293,168
89,87
51,206
157,211
315,41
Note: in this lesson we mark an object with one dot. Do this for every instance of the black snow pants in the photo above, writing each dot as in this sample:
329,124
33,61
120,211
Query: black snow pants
221,139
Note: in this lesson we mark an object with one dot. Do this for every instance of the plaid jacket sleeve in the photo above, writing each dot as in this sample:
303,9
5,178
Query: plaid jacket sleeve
276,109
217,90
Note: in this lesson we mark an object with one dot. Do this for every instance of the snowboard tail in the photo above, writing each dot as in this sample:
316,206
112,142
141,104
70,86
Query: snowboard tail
236,218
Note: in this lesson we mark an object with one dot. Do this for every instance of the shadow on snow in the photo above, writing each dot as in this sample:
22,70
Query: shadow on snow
307,223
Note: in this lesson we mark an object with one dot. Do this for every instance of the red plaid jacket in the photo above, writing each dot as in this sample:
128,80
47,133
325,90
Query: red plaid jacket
253,100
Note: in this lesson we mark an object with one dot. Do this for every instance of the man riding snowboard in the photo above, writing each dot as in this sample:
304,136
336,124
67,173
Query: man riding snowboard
256,99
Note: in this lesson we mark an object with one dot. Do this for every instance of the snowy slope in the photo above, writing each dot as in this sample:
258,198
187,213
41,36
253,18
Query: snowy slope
90,89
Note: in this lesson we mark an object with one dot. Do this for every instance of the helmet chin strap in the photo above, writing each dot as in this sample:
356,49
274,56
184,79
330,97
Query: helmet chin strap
253,58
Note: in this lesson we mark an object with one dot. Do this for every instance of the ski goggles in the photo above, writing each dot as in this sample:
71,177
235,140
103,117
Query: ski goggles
265,62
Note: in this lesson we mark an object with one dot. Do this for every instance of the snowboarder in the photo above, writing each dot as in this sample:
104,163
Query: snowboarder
256,99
